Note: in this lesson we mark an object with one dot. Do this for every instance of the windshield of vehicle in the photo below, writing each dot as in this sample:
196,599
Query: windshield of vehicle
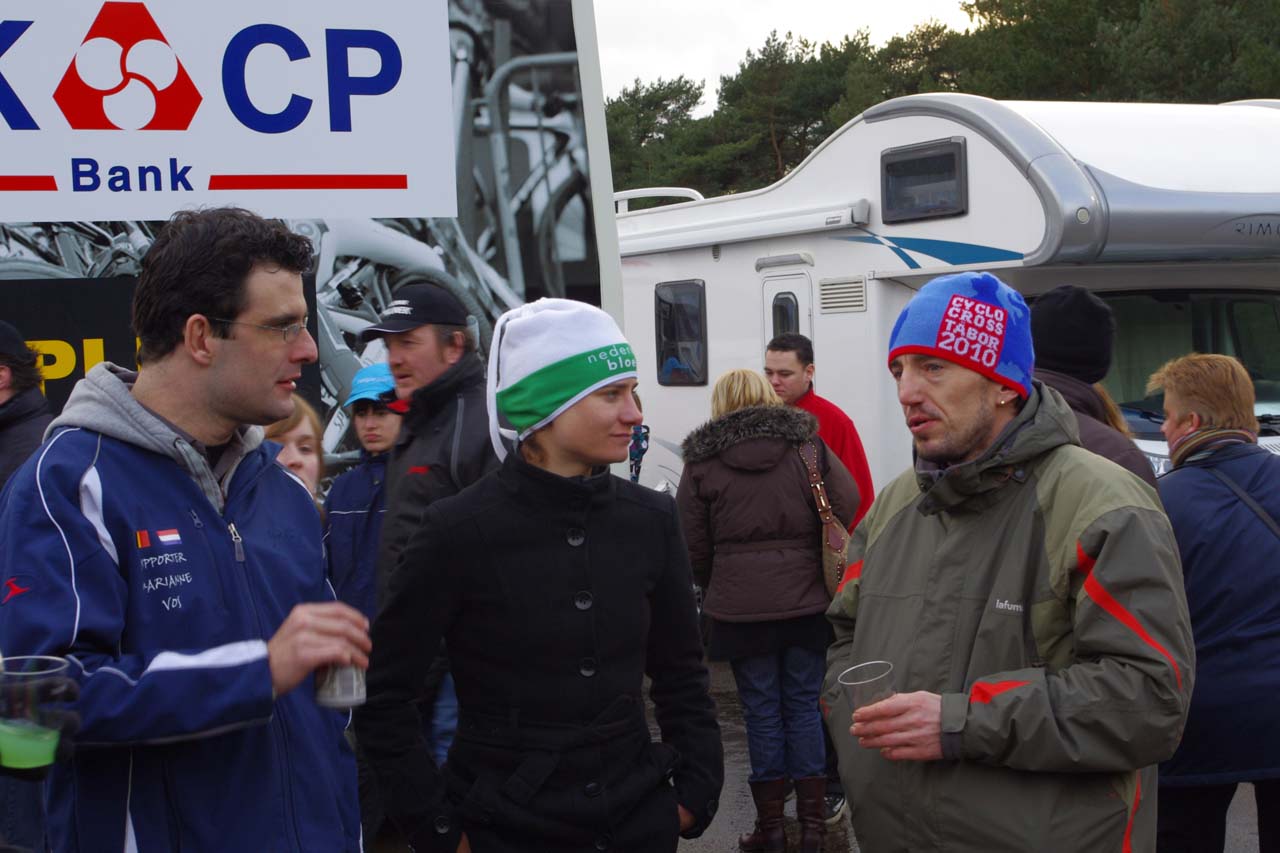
1154,327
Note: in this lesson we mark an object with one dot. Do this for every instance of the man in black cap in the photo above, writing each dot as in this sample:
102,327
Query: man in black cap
24,414
1073,332
443,445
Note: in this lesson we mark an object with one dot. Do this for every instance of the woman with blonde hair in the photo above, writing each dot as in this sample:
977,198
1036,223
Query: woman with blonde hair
753,534
300,437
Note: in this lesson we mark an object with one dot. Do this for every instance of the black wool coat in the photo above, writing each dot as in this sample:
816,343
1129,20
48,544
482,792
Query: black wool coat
1096,435
556,597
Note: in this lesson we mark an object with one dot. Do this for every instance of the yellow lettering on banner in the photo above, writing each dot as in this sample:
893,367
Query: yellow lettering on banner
57,360
93,353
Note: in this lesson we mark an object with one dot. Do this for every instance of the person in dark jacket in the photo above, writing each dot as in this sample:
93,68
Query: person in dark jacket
754,543
24,413
353,514
356,502
443,444
558,587
1074,332
1222,500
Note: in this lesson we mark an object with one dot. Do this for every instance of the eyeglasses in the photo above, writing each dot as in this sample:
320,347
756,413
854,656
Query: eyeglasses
289,333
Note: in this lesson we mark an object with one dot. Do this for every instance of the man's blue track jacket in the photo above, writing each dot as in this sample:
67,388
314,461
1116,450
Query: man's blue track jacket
162,582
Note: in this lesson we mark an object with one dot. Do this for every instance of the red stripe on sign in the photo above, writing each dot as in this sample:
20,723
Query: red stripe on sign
852,573
984,691
308,182
1104,599
1133,815
28,183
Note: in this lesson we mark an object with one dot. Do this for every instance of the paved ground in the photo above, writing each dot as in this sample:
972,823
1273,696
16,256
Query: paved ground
736,811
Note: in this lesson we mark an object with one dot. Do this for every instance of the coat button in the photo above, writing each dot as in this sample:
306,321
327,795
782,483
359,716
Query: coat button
602,843
592,789
587,667
576,536
442,825
583,600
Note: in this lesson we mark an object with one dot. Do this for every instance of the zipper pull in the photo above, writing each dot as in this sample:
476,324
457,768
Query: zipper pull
195,516
235,537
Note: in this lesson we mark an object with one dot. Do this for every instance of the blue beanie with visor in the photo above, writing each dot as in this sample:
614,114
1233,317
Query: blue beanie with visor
972,319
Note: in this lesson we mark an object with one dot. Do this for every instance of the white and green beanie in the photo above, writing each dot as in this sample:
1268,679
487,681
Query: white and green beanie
548,355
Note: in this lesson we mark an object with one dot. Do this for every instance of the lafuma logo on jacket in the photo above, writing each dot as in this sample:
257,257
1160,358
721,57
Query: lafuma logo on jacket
126,76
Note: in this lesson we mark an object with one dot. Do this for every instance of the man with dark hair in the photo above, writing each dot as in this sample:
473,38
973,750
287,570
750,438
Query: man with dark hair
789,367
1074,332
24,414
180,570
443,445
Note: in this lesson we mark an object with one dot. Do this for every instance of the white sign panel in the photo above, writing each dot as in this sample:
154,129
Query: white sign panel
293,108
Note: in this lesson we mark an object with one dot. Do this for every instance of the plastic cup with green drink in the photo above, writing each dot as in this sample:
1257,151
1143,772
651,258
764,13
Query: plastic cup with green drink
25,742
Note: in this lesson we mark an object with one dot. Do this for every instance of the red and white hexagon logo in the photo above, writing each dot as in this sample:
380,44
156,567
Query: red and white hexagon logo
125,76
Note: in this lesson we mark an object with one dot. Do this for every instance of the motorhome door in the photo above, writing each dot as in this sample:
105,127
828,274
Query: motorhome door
787,306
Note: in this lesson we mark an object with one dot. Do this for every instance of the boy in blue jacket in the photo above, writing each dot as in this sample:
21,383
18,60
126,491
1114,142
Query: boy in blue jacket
357,500
180,570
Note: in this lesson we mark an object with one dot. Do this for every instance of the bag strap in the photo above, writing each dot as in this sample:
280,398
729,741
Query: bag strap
1248,501
825,515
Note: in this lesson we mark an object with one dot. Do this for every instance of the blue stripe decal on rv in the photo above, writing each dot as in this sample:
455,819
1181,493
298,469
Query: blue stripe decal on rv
946,251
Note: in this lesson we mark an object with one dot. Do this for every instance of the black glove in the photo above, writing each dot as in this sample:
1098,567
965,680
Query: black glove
44,703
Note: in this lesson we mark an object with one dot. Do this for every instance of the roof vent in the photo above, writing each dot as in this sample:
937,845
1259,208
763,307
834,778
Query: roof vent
842,295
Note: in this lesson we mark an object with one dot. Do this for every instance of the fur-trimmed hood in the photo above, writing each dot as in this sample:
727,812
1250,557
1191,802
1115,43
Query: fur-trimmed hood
753,438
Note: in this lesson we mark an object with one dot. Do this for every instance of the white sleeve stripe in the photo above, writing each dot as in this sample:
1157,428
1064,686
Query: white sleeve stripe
232,654
71,560
91,506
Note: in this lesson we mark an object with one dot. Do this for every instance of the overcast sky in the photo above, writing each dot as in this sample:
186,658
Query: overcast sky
703,39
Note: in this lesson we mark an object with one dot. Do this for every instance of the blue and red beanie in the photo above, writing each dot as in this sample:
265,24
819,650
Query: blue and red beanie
972,319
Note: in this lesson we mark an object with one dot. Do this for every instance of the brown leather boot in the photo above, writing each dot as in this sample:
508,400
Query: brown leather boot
767,837
811,810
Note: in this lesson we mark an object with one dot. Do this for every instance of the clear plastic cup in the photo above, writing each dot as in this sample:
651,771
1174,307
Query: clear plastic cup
340,687
867,683
24,742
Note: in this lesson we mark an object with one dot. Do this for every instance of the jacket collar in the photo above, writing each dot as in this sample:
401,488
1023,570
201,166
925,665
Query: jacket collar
540,487
427,400
715,436
1045,423
27,404
1080,395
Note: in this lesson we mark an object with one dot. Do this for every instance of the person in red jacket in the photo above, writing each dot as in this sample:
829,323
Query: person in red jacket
788,365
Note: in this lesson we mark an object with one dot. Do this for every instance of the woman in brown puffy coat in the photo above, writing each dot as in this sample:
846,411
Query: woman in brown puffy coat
753,534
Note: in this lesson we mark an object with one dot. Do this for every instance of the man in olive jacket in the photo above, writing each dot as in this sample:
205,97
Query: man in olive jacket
1028,594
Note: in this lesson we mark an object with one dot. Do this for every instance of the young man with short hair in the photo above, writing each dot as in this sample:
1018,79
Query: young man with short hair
789,367
180,570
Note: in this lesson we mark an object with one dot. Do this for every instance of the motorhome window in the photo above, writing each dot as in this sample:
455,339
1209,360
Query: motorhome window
680,324
1156,326
786,314
924,181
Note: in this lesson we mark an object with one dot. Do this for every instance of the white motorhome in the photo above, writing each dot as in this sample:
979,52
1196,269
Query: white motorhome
1170,212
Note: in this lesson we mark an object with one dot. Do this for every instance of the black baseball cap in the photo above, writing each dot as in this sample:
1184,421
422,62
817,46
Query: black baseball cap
417,305
11,341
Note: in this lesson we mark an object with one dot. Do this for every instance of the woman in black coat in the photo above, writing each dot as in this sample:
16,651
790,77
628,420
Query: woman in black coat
557,587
